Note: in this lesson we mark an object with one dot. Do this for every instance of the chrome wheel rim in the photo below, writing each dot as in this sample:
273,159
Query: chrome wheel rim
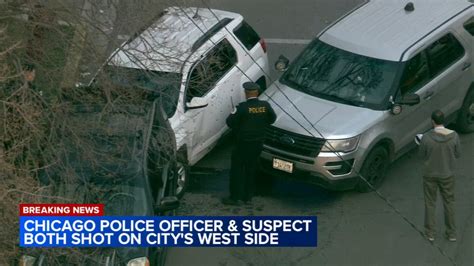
181,178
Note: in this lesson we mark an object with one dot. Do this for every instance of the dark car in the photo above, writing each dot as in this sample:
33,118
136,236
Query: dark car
122,156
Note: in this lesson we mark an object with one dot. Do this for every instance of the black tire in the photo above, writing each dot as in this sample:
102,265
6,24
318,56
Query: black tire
262,83
373,170
182,178
161,257
465,120
172,180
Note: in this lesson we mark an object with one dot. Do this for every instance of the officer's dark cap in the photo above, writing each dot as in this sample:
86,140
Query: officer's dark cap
251,86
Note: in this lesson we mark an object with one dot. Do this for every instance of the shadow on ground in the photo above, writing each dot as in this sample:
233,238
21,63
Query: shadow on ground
215,183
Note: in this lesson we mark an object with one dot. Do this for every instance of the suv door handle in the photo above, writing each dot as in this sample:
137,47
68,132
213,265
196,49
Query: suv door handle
428,95
466,66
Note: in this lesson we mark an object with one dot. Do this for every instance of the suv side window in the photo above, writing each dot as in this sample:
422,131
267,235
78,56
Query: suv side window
443,53
469,26
247,35
416,74
211,69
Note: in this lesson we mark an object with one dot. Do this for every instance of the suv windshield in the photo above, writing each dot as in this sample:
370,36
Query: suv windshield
165,84
330,73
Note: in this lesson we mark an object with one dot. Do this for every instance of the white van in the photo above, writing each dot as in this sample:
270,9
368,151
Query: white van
196,59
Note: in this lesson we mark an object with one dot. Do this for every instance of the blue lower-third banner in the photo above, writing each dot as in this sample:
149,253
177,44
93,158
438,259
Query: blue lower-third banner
177,231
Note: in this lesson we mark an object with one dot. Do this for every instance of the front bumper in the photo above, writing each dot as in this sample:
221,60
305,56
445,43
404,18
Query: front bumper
327,169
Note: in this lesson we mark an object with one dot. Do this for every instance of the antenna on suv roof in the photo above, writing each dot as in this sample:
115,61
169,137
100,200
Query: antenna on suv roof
409,7
196,15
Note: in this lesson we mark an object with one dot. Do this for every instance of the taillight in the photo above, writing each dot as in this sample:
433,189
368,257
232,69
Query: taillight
264,45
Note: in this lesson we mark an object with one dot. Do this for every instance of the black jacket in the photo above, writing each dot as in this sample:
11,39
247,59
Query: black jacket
251,119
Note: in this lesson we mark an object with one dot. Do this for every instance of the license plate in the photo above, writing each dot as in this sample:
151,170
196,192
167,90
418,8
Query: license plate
283,165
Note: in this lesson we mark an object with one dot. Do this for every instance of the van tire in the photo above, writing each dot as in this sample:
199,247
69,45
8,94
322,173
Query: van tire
182,175
262,83
465,120
161,256
373,170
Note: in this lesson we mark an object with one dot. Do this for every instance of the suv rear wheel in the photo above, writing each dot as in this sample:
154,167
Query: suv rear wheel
182,178
374,169
465,121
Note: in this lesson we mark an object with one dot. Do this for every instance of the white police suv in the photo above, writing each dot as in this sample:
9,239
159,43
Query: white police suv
196,59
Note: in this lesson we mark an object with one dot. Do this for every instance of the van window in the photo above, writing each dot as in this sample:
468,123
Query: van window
469,26
415,74
247,35
443,53
211,69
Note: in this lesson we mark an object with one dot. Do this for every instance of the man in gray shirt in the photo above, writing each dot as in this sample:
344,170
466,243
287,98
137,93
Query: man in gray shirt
439,148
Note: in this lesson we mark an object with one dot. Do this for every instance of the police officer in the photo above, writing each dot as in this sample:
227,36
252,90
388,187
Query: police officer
248,121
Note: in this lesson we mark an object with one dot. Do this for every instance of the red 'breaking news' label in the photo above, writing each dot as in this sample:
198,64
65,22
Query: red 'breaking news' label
61,209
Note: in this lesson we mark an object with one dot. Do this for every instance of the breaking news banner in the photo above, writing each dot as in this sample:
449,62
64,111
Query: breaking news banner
44,230
39,209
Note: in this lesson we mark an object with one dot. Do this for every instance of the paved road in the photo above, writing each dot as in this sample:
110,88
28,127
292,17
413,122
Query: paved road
285,24
354,229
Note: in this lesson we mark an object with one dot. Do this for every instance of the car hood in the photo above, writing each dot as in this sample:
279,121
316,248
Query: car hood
322,118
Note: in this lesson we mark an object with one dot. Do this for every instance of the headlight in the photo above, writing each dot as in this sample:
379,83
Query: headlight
26,260
143,261
340,145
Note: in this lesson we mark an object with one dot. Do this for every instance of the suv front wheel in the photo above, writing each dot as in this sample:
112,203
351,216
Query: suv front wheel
465,121
373,170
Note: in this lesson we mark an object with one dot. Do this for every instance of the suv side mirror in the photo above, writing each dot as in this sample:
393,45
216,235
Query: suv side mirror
196,103
167,204
281,65
410,99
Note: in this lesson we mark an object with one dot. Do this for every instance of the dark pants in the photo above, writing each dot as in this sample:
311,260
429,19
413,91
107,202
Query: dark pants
446,188
244,163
